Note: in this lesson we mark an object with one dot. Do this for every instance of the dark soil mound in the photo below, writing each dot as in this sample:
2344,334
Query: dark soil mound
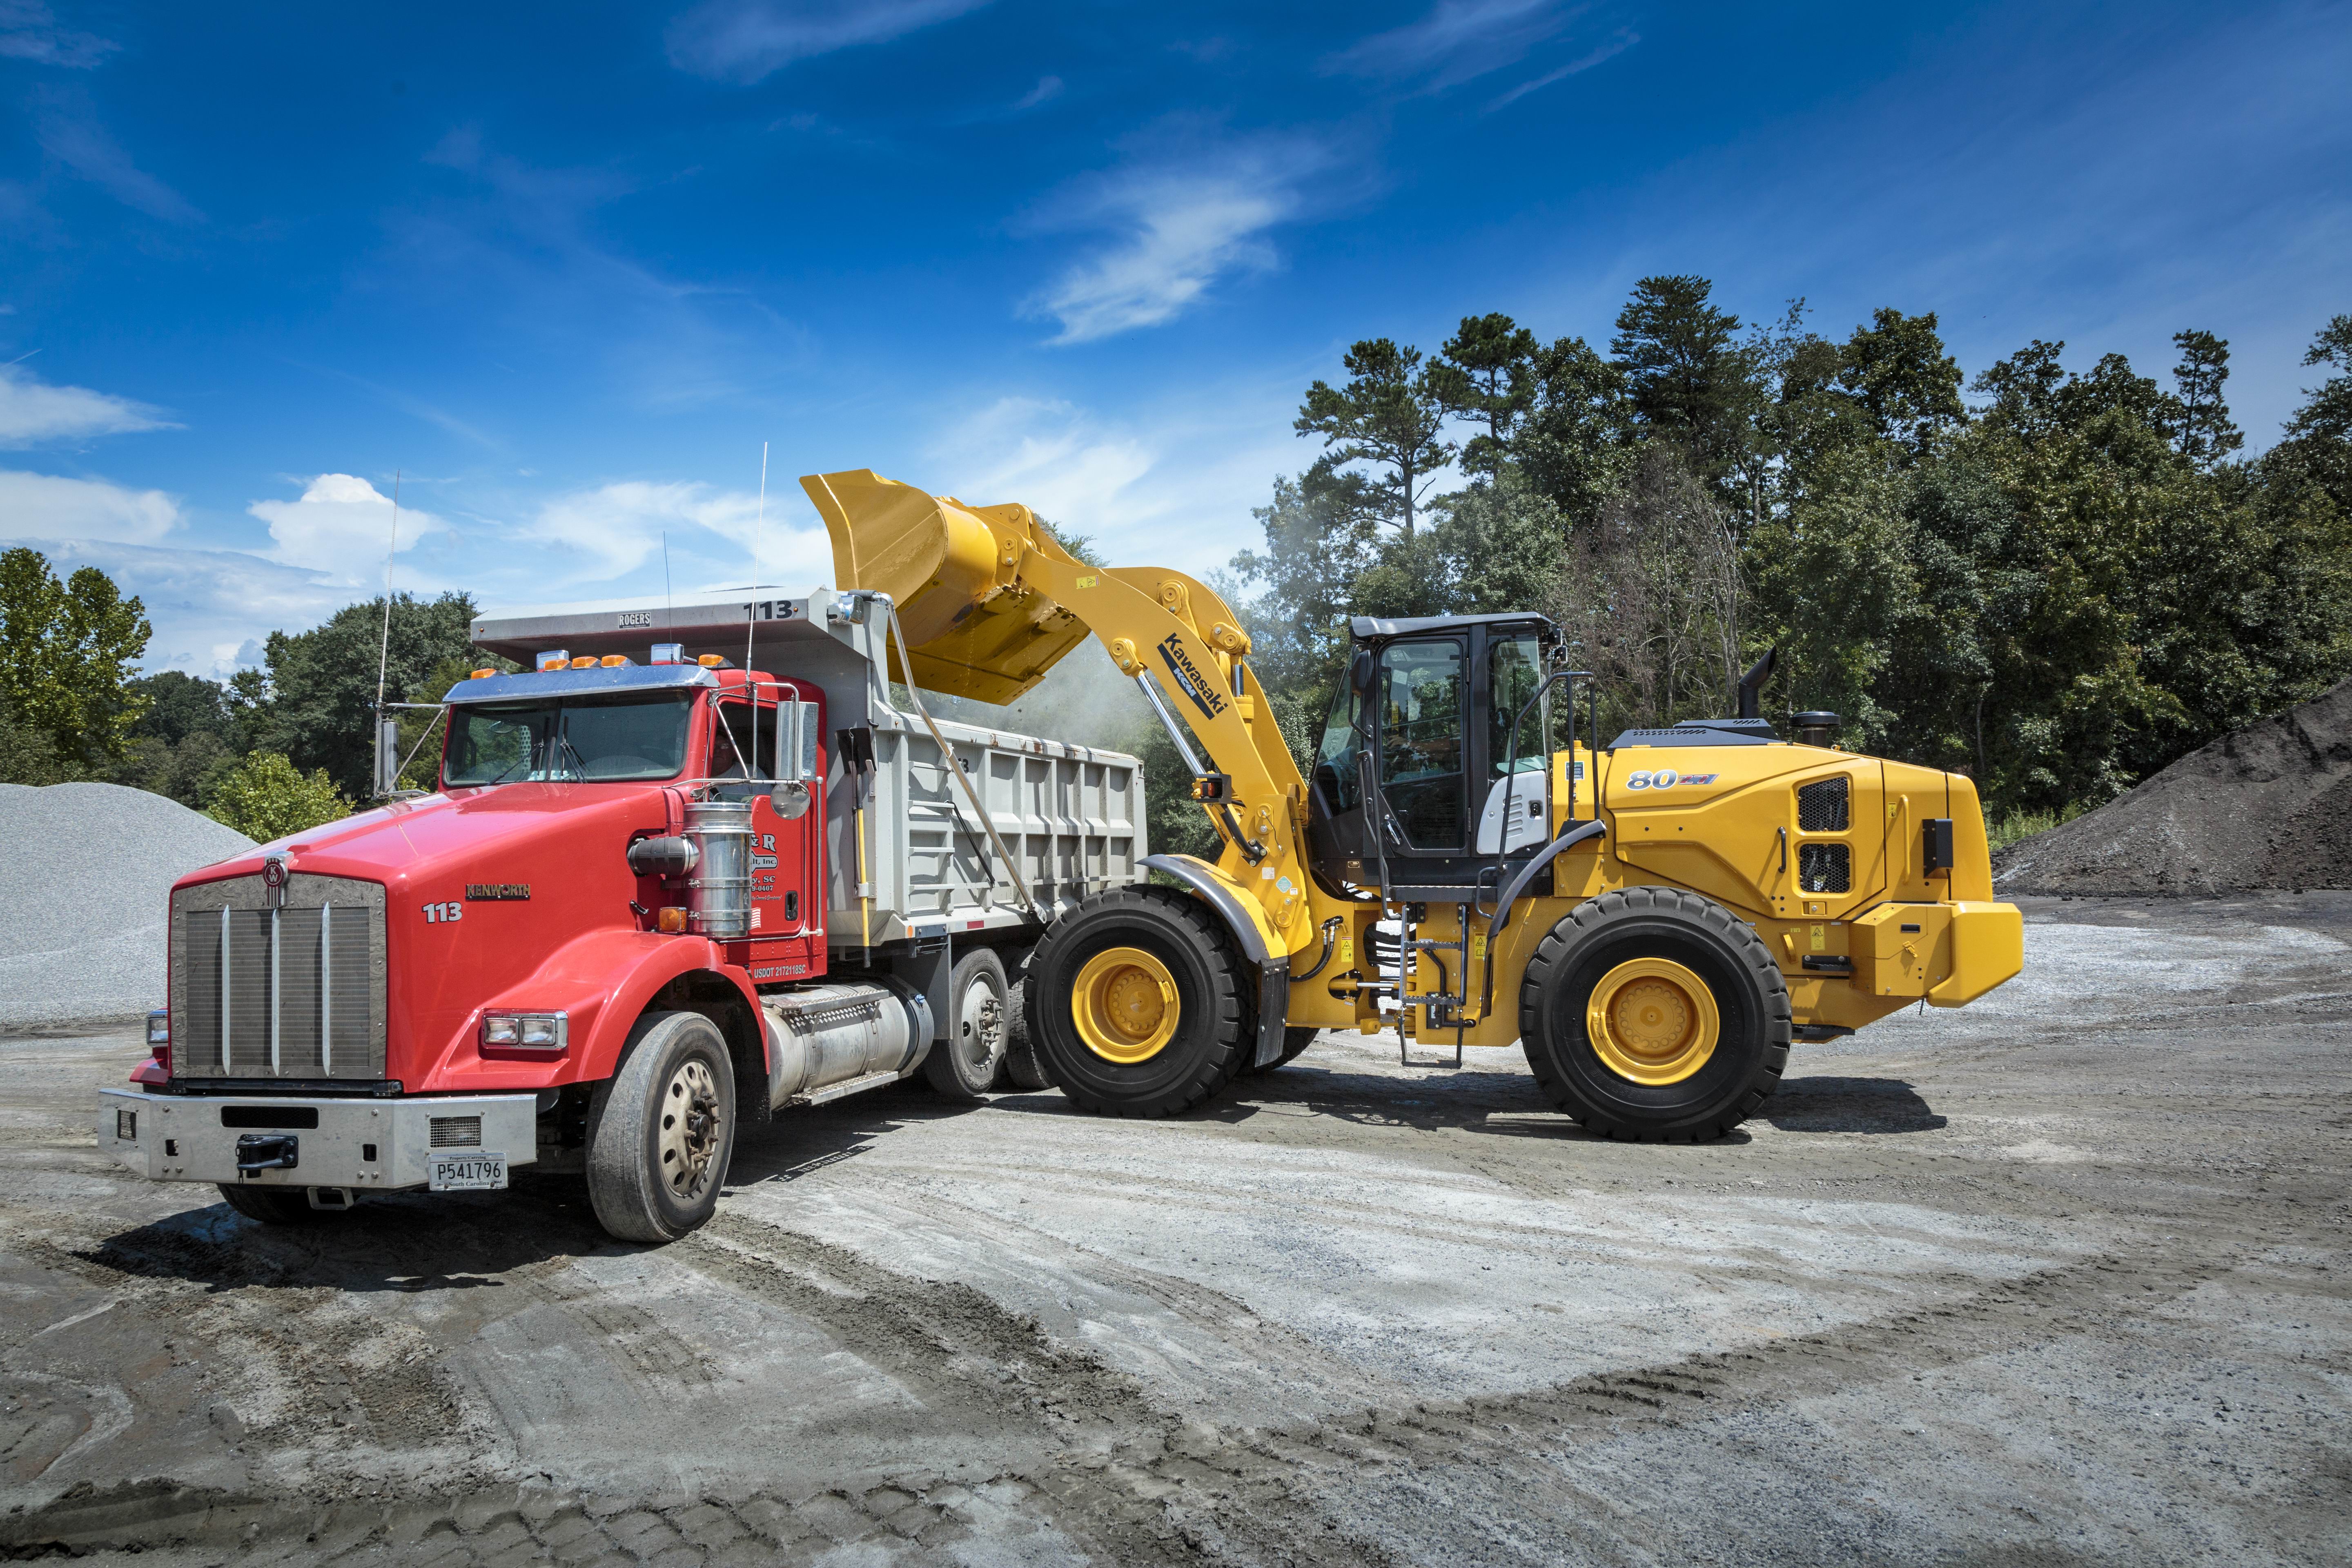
2267,806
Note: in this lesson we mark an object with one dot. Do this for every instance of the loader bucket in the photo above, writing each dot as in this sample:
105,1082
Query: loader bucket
974,628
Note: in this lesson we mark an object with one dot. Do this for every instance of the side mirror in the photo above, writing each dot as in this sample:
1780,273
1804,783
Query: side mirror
790,800
1360,672
796,729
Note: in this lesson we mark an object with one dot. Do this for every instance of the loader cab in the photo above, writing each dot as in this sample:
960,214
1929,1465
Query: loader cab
1417,778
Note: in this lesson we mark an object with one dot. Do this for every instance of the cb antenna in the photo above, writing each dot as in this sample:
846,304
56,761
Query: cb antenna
759,522
384,651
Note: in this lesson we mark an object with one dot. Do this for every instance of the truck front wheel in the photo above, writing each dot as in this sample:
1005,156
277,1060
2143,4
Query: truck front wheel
661,1130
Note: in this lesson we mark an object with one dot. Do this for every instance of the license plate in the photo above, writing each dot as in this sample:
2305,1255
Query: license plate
466,1173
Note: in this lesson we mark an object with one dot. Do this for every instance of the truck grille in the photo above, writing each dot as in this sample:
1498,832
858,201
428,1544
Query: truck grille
295,992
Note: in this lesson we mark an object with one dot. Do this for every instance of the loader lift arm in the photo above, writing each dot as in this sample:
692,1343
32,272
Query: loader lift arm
989,602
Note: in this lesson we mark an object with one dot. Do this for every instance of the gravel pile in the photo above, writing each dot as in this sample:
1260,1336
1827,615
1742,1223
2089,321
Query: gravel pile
2269,807
86,871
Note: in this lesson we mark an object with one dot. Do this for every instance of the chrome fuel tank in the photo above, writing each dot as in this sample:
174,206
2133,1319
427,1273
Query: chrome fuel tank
831,1037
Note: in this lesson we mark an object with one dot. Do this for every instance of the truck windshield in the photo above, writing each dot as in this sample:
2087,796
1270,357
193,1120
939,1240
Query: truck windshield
594,739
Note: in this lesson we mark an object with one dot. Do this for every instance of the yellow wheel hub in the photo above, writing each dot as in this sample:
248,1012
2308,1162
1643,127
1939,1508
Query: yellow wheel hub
1652,1021
1125,1005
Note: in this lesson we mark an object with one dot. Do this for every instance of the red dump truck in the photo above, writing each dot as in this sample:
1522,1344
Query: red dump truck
692,868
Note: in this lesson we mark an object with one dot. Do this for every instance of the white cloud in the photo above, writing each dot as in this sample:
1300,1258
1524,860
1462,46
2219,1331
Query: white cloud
1459,39
743,40
31,410
206,605
1048,88
51,506
69,133
1184,221
1173,487
341,525
1625,39
616,528
29,31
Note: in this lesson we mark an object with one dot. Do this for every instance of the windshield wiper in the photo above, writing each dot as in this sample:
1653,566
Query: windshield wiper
579,765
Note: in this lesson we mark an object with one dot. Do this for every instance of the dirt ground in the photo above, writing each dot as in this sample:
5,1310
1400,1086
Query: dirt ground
2060,1277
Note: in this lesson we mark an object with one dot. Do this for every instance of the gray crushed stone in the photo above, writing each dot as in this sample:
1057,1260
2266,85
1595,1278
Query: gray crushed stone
86,874
2268,807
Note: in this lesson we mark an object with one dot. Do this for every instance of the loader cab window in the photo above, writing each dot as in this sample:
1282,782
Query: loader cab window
1424,717
1515,668
1337,772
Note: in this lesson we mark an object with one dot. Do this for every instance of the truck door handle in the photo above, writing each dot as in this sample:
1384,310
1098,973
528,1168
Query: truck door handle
268,1151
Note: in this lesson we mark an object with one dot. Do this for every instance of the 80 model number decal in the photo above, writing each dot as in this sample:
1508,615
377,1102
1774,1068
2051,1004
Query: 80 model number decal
1665,778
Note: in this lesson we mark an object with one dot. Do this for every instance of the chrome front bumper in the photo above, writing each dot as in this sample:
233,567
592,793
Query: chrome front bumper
366,1145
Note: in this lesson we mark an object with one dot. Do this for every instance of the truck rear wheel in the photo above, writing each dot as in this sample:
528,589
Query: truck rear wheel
1654,1013
1135,1004
1022,1069
963,1066
661,1130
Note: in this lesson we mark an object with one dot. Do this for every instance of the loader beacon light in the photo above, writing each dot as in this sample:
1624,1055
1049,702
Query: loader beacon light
554,659
526,1031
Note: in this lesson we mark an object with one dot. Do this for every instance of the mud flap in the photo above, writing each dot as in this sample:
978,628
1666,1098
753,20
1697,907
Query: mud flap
1273,1011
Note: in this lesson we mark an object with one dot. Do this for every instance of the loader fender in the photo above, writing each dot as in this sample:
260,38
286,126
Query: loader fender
602,982
1261,944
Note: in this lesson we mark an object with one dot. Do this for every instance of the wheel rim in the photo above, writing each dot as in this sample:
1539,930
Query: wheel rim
692,1129
983,1029
1652,1021
1125,1005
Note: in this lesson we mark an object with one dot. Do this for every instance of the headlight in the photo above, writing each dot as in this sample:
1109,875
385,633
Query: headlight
159,1028
526,1031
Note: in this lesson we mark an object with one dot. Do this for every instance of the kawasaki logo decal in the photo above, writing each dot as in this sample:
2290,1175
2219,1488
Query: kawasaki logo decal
1189,678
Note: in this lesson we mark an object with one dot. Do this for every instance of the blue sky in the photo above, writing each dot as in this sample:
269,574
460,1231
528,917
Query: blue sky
564,269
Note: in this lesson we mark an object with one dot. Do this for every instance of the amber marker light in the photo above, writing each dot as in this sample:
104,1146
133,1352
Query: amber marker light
670,921
554,659
482,675
587,663
616,661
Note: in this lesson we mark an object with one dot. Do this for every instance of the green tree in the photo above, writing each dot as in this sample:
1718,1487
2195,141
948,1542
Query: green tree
1576,444
67,653
1487,373
2317,451
1896,371
318,701
1688,377
1391,415
267,798
179,705
2205,433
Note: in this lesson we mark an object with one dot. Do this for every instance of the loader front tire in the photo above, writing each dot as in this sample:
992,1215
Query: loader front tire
1135,1004
1654,1013
661,1130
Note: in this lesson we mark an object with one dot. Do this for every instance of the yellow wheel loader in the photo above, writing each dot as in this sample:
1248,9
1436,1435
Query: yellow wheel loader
1653,920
